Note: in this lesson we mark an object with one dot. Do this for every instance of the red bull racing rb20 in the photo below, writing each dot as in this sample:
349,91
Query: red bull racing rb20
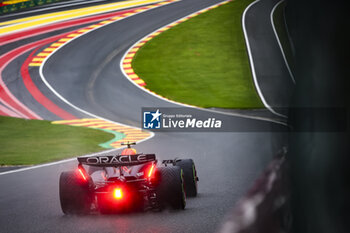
127,182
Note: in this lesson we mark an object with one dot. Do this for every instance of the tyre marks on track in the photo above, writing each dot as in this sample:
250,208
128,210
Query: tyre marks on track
41,56
16,25
13,107
38,95
5,39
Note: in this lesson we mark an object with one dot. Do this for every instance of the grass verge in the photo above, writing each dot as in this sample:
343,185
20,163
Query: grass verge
25,142
202,61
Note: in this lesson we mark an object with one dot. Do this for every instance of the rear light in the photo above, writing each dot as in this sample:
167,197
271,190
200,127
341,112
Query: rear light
82,174
118,193
150,171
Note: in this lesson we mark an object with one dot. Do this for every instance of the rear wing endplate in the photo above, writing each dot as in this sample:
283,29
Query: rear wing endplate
117,160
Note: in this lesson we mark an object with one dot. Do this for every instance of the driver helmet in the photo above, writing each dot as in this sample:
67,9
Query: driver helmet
129,151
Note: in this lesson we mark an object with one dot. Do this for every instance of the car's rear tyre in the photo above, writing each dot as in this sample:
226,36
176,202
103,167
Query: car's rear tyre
190,176
170,190
75,193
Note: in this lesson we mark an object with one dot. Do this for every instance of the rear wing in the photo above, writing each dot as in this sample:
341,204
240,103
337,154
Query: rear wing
117,160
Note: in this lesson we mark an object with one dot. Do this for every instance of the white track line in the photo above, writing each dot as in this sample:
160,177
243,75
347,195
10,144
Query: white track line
186,105
288,34
252,62
57,162
279,42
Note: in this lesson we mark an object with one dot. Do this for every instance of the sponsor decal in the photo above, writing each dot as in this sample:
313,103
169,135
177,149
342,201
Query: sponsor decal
118,159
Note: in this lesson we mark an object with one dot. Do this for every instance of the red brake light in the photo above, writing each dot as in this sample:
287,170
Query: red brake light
150,172
82,174
118,193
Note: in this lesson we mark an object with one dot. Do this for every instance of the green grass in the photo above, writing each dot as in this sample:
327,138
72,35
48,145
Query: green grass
202,61
24,142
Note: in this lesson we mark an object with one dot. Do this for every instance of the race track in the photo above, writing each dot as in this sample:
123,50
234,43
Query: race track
87,74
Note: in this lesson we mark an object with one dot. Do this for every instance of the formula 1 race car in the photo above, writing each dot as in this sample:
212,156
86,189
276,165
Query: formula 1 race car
127,182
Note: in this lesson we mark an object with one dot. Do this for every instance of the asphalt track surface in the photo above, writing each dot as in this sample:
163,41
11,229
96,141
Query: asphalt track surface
271,70
86,72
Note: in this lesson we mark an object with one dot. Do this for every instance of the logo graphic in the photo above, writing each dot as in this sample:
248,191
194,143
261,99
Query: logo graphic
179,120
152,120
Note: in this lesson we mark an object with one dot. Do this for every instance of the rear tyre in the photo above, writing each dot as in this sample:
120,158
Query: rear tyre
170,190
75,194
190,176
